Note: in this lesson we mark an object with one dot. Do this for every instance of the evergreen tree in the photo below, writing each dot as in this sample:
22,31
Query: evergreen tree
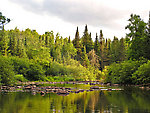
87,40
3,43
77,39
77,45
115,50
20,49
69,40
3,36
96,45
43,37
101,46
106,55
85,60
46,40
57,39
122,50
13,43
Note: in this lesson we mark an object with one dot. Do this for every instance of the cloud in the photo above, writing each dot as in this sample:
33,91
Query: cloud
78,12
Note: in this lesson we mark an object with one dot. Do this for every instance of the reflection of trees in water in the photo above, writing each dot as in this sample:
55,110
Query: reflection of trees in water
130,100
86,102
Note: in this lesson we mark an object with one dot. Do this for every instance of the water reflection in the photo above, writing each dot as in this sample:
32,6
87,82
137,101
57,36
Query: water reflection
130,100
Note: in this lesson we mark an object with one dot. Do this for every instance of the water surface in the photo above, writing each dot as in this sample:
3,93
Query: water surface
129,100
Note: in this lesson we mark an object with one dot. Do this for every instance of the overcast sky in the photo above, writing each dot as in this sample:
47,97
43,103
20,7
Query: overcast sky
64,16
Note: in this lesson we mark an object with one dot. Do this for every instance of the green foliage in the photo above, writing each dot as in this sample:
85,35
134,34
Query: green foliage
118,51
77,39
87,40
6,71
73,71
20,78
122,72
29,69
3,43
142,75
35,72
54,58
138,35
56,69
85,61
21,65
96,44
68,50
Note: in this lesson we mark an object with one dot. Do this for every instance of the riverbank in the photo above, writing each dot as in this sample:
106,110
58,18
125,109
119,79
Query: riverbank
60,88
65,88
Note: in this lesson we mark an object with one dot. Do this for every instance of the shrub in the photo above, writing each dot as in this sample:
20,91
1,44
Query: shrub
29,69
6,71
20,77
21,65
71,72
142,75
35,72
122,72
57,69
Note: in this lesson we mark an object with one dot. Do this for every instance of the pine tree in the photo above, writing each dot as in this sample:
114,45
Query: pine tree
20,49
77,45
96,44
101,47
57,39
77,39
122,52
3,43
3,37
46,41
106,54
85,60
69,40
51,39
114,50
12,43
87,40
43,37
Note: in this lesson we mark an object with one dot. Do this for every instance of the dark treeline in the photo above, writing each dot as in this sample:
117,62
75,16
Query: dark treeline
26,55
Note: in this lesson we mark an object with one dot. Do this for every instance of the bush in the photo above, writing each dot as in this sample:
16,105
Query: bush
71,72
20,78
35,72
21,65
6,71
57,69
59,78
81,73
29,69
122,72
142,75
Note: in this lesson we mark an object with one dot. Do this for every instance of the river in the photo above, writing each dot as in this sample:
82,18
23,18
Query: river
127,100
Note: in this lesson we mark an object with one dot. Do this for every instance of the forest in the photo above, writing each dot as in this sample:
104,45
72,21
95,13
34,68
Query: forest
28,56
